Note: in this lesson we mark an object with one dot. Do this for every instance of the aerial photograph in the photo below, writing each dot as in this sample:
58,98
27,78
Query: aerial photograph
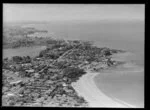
73,55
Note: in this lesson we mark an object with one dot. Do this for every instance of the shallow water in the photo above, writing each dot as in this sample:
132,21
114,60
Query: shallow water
126,85
23,51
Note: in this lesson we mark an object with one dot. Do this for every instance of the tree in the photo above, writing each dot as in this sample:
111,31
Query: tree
73,73
42,53
6,59
17,59
107,53
26,59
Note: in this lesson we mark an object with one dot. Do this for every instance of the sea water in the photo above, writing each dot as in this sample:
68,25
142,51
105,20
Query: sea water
23,51
122,83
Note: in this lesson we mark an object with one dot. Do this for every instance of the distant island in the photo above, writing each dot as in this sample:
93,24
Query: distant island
18,36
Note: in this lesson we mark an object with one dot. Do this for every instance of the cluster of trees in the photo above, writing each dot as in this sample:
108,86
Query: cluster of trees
50,54
19,59
61,64
56,49
73,73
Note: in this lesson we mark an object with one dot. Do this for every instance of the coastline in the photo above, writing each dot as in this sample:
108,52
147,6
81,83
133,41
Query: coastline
86,87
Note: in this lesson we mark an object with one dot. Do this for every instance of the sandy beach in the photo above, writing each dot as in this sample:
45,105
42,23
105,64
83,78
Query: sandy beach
87,88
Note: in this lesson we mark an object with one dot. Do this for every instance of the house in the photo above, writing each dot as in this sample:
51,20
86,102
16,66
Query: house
10,94
30,71
64,84
36,75
38,58
16,82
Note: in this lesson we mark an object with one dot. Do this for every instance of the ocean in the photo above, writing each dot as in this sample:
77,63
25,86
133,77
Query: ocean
120,83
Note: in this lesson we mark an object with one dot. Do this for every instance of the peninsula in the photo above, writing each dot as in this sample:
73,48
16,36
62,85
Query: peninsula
52,78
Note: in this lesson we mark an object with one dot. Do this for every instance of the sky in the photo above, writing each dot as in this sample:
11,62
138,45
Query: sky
61,12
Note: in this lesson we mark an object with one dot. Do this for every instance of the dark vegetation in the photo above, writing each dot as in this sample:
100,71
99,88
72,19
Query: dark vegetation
73,73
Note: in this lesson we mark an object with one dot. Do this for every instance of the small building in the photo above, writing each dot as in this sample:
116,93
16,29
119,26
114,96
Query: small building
16,82
16,73
38,58
64,84
36,75
30,71
10,94
65,79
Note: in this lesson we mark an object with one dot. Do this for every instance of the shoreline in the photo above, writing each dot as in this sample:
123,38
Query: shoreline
87,88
